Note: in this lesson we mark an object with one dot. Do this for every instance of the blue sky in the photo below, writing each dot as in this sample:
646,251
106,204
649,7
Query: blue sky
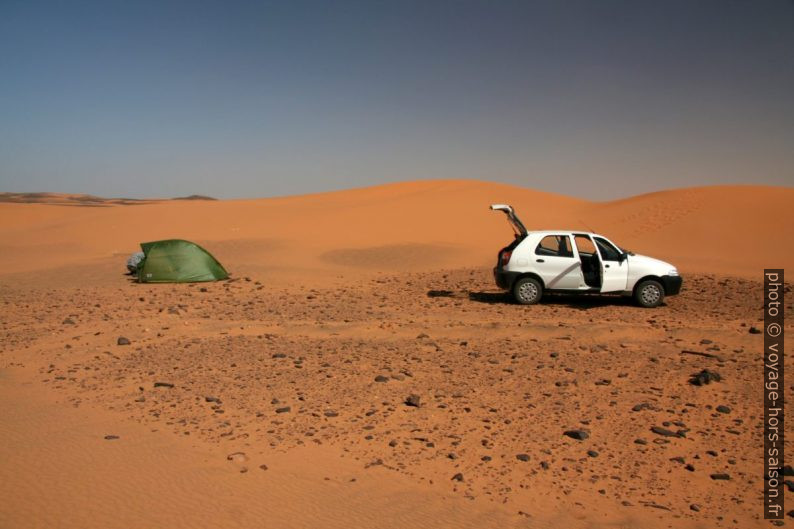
598,99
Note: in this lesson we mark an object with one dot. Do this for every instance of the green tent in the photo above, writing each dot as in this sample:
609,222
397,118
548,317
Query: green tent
178,261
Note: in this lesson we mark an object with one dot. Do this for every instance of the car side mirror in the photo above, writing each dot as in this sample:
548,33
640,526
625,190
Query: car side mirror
622,257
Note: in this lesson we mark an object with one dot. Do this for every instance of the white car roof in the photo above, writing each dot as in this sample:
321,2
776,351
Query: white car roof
563,232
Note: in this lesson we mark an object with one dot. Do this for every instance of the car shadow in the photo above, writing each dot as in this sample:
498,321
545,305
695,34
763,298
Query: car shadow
579,301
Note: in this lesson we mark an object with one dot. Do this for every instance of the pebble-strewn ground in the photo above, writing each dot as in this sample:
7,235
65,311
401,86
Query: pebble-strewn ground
437,376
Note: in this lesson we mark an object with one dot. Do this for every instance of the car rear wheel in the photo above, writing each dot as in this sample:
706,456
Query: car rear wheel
649,294
527,291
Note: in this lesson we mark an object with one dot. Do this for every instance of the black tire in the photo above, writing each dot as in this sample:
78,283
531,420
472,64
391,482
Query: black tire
527,291
649,294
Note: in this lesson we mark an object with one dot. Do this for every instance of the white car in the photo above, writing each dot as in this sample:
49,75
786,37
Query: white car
577,261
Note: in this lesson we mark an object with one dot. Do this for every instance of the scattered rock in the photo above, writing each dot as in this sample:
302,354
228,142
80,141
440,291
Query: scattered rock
163,385
330,413
522,457
123,341
68,321
263,467
723,409
579,435
413,400
695,507
111,437
381,378
213,399
592,453
457,477
754,330
705,377
284,409
720,476
664,432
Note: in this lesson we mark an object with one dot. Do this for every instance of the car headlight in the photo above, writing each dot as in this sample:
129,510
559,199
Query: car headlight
672,272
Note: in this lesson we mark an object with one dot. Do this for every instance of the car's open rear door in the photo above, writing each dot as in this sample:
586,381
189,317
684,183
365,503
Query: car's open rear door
514,221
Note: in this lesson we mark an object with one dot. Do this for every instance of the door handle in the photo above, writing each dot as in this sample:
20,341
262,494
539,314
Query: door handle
540,260
606,266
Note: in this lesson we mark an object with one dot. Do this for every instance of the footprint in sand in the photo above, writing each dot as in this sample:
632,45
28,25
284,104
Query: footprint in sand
239,458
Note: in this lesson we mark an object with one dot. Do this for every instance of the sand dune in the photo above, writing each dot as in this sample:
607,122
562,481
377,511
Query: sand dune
415,226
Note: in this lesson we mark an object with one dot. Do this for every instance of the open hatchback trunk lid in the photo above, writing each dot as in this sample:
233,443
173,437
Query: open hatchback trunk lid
514,221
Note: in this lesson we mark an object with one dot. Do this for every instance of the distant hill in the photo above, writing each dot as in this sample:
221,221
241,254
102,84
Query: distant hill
194,197
67,199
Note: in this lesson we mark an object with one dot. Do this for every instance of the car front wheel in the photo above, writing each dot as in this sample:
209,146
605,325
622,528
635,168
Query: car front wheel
527,291
649,294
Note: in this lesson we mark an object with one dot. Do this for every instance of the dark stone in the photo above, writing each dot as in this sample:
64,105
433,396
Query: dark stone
457,477
381,378
393,443
279,355
592,453
658,430
723,409
754,330
544,465
485,458
111,437
704,377
263,467
68,321
695,507
641,406
413,400
122,341
522,457
213,399
163,385
331,413
285,409
720,476
579,435
640,441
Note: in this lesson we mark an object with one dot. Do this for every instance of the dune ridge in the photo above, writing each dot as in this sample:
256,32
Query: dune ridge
731,230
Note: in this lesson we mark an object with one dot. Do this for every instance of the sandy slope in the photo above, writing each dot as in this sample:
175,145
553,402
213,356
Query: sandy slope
333,290
419,225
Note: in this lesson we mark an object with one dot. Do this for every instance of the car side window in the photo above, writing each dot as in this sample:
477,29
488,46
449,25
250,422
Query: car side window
608,252
555,246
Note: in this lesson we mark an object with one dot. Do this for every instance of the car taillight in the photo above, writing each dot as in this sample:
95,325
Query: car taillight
506,257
